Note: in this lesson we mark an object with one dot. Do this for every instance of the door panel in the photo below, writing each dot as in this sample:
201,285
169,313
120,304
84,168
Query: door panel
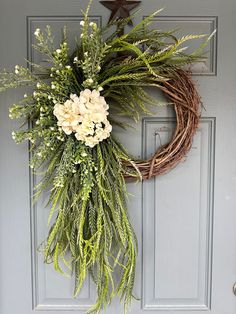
184,220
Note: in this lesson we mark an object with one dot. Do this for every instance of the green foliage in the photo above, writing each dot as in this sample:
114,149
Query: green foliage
90,231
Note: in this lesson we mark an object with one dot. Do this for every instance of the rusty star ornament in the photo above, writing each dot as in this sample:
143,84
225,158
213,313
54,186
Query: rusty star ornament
120,8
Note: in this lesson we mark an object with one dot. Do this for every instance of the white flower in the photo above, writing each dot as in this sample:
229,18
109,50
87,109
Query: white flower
38,85
68,67
68,115
90,80
82,35
37,32
93,25
25,95
17,69
86,53
82,23
86,116
53,86
75,59
58,51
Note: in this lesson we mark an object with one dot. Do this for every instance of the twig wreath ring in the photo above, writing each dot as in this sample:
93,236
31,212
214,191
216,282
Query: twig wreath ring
182,92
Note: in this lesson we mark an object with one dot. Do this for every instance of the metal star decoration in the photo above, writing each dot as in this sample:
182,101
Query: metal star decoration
120,8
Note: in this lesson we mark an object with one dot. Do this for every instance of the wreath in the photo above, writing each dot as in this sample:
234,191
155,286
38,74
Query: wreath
75,101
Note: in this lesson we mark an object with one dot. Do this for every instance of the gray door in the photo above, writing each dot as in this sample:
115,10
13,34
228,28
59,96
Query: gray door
185,220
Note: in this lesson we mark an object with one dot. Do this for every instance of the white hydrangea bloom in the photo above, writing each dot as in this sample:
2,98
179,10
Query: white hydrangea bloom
68,116
86,116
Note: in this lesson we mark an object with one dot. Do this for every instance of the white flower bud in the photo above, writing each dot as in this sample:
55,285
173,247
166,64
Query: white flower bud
82,23
17,69
58,51
37,32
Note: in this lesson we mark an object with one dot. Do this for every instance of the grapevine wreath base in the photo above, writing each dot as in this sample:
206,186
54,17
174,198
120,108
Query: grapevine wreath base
183,94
